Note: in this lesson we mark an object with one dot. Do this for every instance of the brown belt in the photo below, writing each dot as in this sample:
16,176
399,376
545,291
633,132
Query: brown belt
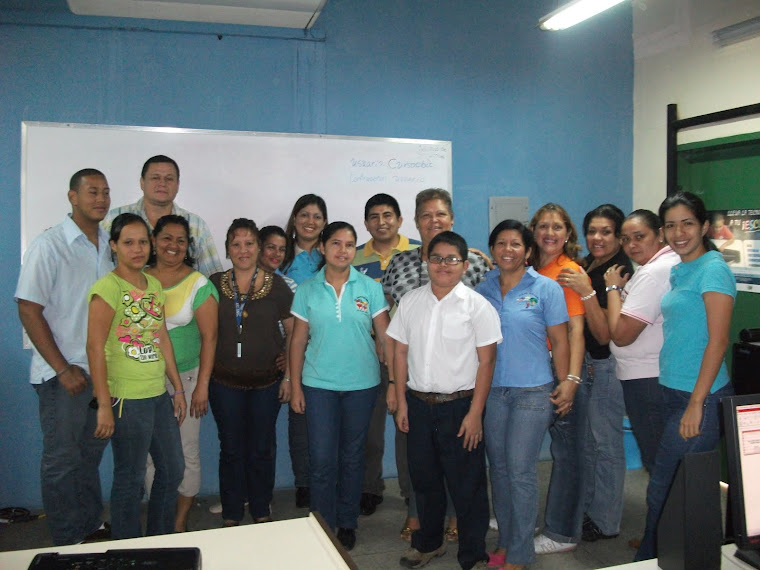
438,398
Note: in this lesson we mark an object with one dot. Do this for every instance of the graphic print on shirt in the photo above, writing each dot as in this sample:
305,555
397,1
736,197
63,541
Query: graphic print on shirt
529,300
362,304
138,331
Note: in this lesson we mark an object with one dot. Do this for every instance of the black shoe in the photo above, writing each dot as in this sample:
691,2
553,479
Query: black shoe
347,537
592,533
102,533
369,502
303,497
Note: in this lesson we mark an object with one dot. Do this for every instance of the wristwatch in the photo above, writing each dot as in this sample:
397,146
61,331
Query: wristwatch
613,288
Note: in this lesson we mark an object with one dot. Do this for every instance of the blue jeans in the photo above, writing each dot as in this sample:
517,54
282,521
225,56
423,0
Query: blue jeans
373,454
515,425
646,411
338,423
298,443
145,426
437,459
564,500
245,421
604,453
71,454
672,449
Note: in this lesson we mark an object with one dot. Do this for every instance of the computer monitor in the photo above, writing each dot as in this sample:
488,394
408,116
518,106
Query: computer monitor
741,418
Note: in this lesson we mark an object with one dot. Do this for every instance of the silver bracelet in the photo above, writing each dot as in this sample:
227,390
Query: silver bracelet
587,297
574,378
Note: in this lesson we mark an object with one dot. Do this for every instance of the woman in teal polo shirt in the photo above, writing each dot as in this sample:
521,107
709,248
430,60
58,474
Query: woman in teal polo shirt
336,374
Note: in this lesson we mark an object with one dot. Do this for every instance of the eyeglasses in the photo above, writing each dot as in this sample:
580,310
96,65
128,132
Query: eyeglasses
450,260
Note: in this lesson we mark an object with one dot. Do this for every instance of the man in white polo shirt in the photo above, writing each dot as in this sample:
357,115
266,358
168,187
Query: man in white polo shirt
445,353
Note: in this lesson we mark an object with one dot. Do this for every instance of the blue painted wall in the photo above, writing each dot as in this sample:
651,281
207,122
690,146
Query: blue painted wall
548,116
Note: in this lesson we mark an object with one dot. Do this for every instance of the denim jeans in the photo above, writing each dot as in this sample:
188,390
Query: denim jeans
604,453
646,411
672,449
437,458
245,421
515,425
298,443
145,426
338,423
564,500
71,454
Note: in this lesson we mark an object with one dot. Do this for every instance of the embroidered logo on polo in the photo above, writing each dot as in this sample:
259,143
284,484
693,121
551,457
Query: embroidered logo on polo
529,300
362,304
137,331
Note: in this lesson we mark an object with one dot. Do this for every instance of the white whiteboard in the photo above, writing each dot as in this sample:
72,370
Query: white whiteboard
228,174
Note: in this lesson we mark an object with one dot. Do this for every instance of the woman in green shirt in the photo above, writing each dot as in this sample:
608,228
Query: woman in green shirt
130,353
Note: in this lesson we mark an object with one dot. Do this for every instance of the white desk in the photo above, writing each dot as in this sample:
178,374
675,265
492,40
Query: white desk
291,544
727,562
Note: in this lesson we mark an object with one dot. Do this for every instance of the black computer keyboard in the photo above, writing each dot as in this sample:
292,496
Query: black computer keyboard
133,558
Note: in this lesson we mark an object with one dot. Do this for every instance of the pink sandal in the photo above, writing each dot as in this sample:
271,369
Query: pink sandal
496,560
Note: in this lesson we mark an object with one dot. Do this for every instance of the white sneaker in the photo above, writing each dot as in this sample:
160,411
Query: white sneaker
216,508
492,524
542,544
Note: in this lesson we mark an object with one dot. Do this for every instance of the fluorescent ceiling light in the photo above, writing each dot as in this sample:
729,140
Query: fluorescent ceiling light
737,33
574,12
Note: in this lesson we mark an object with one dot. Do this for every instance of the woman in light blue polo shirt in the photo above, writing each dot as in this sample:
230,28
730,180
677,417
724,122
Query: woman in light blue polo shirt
697,316
335,375
520,405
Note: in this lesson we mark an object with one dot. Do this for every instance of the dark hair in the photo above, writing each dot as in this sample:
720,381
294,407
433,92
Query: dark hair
120,222
290,229
433,194
608,211
126,219
571,247
329,231
76,179
450,238
267,231
381,200
239,224
648,217
695,205
525,233
159,159
164,221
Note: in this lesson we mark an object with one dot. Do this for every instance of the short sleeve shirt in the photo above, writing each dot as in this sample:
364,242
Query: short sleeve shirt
341,353
203,248
59,268
304,265
537,302
407,271
373,264
181,302
134,358
443,337
641,301
685,324
572,299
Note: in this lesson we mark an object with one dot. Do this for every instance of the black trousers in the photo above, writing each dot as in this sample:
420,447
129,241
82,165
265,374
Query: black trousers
436,459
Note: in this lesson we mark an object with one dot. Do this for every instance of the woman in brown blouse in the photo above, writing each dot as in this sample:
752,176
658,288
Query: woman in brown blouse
247,386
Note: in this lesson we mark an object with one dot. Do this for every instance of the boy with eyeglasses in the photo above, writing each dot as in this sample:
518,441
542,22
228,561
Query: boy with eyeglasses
446,336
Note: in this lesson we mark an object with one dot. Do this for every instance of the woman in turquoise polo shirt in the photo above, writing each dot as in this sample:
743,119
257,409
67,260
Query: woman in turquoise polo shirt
697,316
335,375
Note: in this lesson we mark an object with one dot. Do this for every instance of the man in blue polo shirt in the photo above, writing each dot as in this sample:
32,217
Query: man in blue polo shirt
382,218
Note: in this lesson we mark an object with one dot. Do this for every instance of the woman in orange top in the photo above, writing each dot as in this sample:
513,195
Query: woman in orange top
557,248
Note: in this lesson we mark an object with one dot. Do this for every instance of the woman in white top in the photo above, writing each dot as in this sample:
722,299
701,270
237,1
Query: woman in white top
635,322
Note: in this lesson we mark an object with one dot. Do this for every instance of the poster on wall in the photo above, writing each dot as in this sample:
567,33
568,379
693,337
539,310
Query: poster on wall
736,234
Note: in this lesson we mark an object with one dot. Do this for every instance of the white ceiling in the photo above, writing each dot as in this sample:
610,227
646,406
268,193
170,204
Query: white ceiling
278,13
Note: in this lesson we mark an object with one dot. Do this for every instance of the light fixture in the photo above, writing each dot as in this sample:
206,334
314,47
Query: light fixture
737,33
574,12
